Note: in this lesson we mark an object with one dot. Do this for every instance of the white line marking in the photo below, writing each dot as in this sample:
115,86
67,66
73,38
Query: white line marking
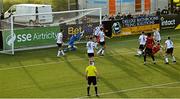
167,87
134,89
75,59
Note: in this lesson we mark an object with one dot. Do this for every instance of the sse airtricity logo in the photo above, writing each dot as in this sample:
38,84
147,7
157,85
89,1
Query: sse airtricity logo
10,39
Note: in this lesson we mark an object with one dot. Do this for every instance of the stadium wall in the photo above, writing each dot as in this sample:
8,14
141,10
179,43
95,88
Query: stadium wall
124,6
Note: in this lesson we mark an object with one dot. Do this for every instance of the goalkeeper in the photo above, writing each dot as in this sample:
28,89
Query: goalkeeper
72,40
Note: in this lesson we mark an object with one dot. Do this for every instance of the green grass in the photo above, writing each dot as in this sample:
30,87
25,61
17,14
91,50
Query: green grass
39,73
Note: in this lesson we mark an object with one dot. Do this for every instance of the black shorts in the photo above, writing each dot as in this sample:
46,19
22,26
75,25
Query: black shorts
157,41
92,79
169,51
148,51
59,44
141,47
90,54
102,43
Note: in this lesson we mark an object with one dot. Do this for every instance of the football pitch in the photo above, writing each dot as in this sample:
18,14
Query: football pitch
40,74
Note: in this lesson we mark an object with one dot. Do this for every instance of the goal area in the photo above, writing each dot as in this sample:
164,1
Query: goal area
39,30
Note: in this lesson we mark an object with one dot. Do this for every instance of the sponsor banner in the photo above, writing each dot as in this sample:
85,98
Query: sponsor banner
131,26
140,21
178,22
138,29
168,21
70,29
42,36
31,37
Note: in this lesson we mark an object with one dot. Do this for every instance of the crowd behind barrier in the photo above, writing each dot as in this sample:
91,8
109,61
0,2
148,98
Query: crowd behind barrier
166,11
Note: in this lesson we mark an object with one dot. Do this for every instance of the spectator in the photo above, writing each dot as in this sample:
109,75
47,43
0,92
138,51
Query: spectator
177,10
129,16
118,16
124,16
158,12
105,18
111,18
165,11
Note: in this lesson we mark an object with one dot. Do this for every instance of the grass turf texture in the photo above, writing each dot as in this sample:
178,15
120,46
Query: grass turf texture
39,73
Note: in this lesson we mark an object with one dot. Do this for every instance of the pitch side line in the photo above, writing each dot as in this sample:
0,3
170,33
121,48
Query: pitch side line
134,89
75,59
167,88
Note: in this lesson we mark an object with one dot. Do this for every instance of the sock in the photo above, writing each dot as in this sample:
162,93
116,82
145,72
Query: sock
173,58
88,89
145,58
102,52
93,63
62,52
99,51
96,45
59,52
96,90
153,57
166,59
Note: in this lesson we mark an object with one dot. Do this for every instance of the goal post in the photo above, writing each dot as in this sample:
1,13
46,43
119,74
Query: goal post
35,31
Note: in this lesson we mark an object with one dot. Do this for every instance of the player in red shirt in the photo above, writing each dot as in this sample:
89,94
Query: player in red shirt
156,48
148,48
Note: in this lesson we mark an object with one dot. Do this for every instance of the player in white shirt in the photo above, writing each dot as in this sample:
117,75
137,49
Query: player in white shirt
101,42
142,42
169,47
157,39
59,42
157,36
96,31
90,49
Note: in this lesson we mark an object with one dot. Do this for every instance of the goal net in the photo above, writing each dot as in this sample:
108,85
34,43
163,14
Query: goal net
39,30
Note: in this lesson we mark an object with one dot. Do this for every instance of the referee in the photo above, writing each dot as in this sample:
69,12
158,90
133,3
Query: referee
91,75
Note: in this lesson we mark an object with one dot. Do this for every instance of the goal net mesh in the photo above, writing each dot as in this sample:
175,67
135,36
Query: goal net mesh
35,31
